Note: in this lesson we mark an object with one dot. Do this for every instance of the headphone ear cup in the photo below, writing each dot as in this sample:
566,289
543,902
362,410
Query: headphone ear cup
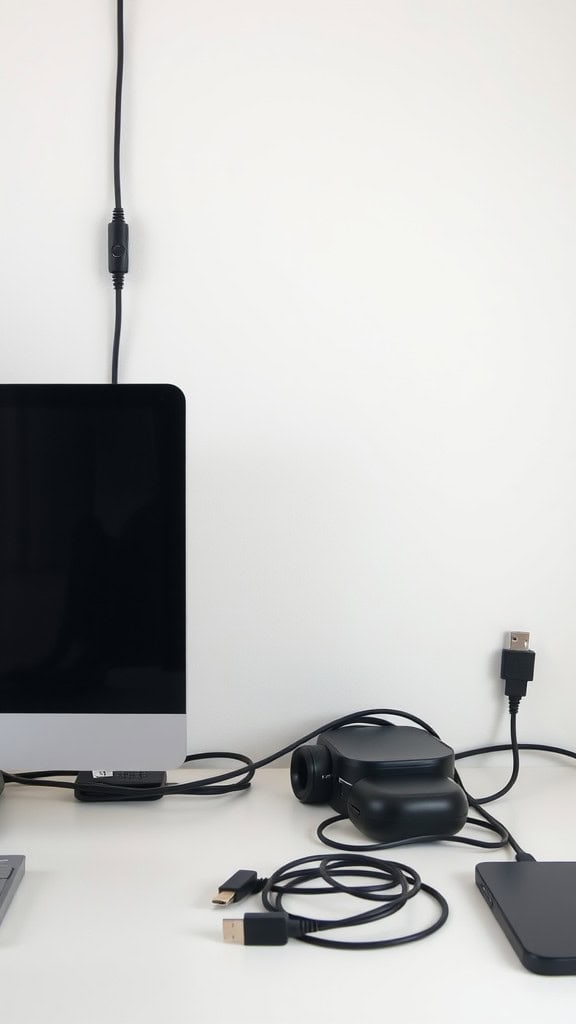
311,774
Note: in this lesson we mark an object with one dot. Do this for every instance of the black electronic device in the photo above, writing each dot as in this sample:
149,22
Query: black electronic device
102,786
393,782
534,903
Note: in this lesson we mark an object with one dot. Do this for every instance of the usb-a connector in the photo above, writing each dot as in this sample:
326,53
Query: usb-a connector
270,929
517,664
518,641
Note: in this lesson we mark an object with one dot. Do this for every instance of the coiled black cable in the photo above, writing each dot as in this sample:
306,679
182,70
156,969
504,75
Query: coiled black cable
392,886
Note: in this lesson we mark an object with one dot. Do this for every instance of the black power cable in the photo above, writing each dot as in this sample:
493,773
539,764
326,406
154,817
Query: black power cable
517,670
488,821
213,783
240,779
243,776
392,886
38,779
118,102
118,229
493,826
513,746
497,747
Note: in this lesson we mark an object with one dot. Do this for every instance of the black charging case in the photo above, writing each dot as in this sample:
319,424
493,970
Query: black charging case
405,808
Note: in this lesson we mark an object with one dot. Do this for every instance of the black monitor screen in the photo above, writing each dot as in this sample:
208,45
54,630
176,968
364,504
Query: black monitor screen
92,553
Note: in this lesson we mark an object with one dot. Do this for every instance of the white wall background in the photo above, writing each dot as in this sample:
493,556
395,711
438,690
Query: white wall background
353,234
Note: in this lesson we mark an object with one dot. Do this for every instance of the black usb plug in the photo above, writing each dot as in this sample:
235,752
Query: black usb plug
517,666
237,887
257,929
517,670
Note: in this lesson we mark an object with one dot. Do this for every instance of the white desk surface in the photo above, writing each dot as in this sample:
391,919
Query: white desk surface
113,920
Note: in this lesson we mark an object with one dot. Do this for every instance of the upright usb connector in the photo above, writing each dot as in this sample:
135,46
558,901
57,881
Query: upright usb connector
517,664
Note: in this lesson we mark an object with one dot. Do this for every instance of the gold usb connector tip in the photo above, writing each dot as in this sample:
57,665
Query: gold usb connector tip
240,885
233,930
263,929
222,899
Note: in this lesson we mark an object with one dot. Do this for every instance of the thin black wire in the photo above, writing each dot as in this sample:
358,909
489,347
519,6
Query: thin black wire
33,779
118,102
41,775
358,717
492,826
117,330
396,884
490,822
520,853
212,784
496,747
515,766
38,778
236,787
118,278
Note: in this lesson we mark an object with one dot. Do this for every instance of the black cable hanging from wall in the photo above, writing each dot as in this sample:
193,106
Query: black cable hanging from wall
118,228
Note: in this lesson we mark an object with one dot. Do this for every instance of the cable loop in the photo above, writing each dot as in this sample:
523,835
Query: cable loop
393,885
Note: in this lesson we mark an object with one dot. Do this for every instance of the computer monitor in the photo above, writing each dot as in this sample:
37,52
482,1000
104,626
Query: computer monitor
92,577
